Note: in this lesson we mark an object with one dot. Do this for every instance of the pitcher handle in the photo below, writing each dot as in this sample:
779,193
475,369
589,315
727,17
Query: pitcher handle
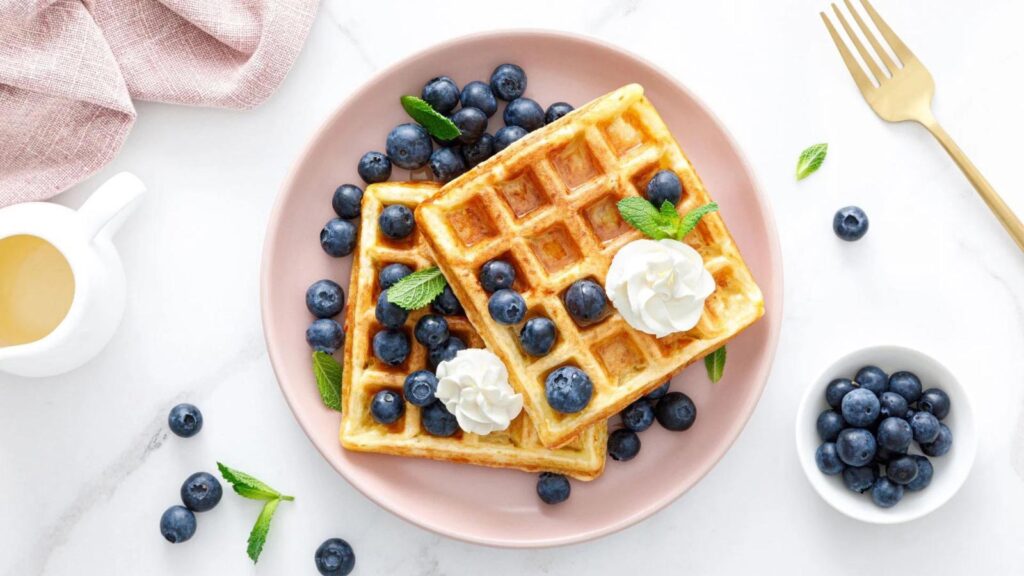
111,204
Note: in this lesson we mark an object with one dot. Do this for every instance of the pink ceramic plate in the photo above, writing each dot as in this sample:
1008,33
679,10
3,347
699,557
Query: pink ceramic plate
500,507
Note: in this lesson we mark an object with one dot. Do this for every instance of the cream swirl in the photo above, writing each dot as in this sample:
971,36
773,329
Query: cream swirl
659,286
474,387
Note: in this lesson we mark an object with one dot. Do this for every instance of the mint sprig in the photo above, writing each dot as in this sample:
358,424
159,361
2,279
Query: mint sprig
714,363
417,289
328,373
662,223
437,124
810,160
249,487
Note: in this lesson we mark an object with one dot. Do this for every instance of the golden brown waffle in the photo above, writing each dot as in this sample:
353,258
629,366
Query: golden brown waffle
547,205
364,376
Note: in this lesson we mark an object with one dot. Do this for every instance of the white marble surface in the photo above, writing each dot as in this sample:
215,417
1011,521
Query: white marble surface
87,465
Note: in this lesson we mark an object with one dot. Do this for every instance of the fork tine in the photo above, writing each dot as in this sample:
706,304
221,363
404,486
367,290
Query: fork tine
879,77
859,77
882,54
901,50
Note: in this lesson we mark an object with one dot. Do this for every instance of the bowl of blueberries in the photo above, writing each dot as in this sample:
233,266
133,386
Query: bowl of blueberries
886,434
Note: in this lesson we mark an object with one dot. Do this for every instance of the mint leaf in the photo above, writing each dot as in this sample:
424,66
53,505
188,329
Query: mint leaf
437,124
692,218
810,160
328,379
669,215
417,289
715,364
642,215
258,536
248,486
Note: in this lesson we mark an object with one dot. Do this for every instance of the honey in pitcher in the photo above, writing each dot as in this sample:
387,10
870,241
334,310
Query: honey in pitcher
36,289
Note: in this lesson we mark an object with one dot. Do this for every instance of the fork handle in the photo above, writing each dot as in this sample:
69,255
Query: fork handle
1006,217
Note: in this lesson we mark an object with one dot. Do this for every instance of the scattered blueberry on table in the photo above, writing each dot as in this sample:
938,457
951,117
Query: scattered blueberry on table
335,557
850,223
185,420
201,492
177,524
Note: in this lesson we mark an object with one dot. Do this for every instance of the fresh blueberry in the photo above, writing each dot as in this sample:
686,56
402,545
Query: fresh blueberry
860,479
892,404
538,336
829,425
941,445
886,493
556,111
850,223
553,488
391,274
872,378
479,95
447,304
431,330
906,384
902,471
388,314
447,164
374,167
659,392
663,187
347,200
497,274
471,122
884,455
586,301
508,82
335,558
441,93
387,407
524,112
623,445
396,221
638,416
860,407
837,390
507,306
568,389
856,446
338,238
895,434
478,151
437,420
675,411
507,135
925,427
201,492
185,420
325,298
325,335
446,351
391,346
177,524
827,459
420,387
924,474
408,146
935,401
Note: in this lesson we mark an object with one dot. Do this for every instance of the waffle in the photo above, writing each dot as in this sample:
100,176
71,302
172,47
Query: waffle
364,375
547,205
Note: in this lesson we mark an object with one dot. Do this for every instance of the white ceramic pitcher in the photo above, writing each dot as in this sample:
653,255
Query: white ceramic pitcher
83,237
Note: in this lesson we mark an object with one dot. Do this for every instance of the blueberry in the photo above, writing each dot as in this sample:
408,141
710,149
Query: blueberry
478,95
829,425
638,416
431,330
935,401
586,301
447,304
556,111
884,455
623,445
553,488
177,524
507,135
892,404
441,93
924,474
387,407
396,221
185,420
675,411
906,384
437,420
525,113
325,335
895,434
325,298
856,446
850,223
568,389
836,390
664,186
335,558
538,336
447,164
860,407
902,471
374,167
925,427
659,392
391,274
471,122
827,459
446,351
507,306
478,151
508,82
347,200
872,378
201,492
391,346
886,493
941,445
338,237
860,479
388,314
408,146
420,387
497,274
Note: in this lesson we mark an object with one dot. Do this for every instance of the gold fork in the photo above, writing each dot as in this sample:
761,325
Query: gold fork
903,91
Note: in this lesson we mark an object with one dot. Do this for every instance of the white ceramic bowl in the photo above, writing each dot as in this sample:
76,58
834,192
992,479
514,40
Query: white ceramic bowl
950,470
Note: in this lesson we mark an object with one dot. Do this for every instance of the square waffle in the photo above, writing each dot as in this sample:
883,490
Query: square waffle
547,204
364,375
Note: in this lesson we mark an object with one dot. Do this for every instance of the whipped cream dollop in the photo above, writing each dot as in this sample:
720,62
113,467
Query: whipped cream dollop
659,286
474,387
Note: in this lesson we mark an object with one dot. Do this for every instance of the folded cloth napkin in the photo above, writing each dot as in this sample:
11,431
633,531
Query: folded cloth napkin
69,70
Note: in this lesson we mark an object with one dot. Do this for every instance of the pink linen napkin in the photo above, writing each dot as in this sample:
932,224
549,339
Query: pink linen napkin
69,70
